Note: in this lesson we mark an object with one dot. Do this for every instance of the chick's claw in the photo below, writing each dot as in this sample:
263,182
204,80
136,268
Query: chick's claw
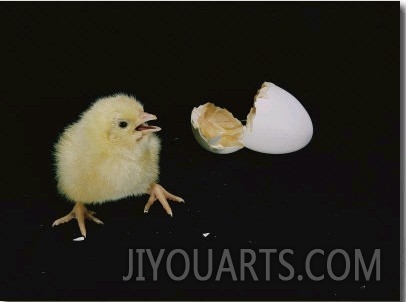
157,192
64,219
80,213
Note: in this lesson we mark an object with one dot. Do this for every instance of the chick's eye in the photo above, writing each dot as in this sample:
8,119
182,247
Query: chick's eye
123,124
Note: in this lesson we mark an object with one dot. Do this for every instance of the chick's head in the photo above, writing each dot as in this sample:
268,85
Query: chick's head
119,120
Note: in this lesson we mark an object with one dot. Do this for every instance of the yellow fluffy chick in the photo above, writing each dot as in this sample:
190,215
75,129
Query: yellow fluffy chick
109,153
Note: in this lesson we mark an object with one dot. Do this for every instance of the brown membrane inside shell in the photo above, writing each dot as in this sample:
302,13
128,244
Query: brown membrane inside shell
250,117
219,125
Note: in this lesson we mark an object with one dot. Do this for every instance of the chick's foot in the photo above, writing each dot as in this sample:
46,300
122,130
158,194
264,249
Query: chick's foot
80,213
157,192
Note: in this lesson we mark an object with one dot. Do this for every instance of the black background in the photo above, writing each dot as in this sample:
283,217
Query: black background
341,60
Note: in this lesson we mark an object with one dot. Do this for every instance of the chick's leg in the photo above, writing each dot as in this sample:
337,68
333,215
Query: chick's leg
79,212
157,192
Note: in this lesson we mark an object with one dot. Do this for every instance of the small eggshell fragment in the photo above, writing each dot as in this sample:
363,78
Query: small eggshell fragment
278,124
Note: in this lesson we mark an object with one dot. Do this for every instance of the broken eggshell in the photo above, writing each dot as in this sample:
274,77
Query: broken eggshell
216,130
277,124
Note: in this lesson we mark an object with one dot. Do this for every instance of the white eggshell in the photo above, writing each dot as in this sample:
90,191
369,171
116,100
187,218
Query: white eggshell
208,145
81,238
280,123
213,148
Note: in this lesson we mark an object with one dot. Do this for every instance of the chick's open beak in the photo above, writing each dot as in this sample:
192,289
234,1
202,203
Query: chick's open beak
144,126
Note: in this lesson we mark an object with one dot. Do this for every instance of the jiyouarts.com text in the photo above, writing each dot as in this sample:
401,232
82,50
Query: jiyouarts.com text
249,264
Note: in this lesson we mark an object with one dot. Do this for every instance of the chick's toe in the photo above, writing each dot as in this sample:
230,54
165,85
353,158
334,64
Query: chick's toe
157,192
80,212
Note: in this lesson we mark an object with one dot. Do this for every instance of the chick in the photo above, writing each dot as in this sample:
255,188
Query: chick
109,153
